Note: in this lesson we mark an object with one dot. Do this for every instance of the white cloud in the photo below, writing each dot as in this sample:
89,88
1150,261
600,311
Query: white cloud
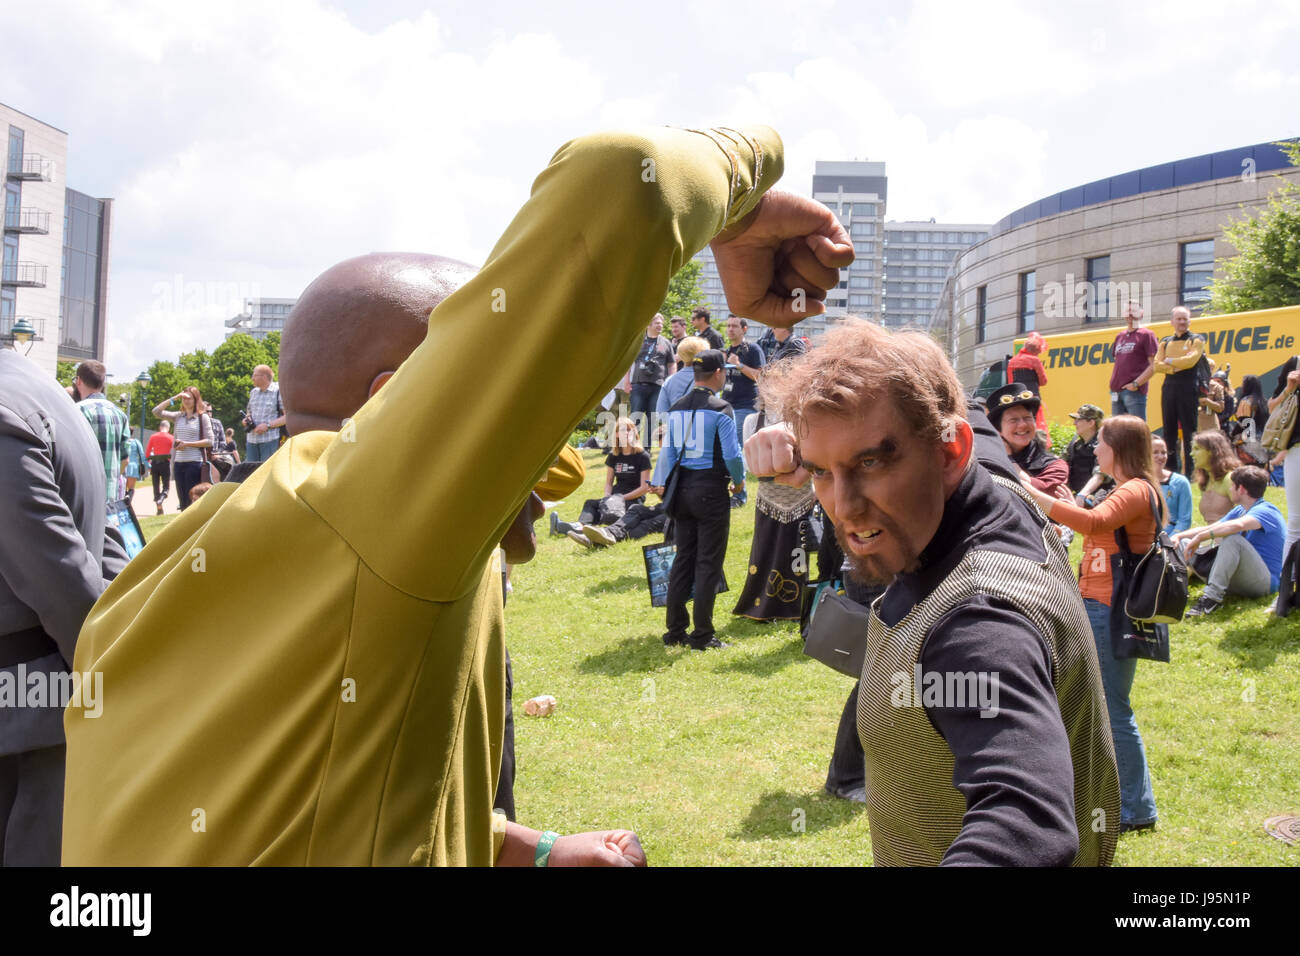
257,143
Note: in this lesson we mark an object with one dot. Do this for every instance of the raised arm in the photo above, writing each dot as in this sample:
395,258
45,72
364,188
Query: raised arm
610,220
160,410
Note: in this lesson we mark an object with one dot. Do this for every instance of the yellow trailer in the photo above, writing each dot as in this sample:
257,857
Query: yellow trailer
1078,364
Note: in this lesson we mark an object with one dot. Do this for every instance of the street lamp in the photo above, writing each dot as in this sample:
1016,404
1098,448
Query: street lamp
23,332
143,381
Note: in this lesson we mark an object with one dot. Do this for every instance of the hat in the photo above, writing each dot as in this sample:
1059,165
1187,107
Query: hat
1008,396
1089,413
710,360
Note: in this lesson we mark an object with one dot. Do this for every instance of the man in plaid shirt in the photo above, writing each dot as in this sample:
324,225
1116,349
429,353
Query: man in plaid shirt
107,421
266,412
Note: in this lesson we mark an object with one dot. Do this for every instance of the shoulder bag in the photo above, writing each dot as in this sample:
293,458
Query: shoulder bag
1130,637
674,478
207,471
836,633
1281,423
1157,589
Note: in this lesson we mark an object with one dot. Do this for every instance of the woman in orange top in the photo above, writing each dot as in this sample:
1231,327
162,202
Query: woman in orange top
1124,453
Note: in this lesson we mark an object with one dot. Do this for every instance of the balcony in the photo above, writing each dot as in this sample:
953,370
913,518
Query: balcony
31,166
30,274
29,220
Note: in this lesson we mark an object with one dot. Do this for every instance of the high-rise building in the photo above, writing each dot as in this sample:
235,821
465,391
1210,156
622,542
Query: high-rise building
56,249
715,299
917,257
259,317
857,193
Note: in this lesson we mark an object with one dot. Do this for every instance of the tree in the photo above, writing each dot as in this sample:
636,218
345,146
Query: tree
1265,272
230,376
684,292
272,345
66,373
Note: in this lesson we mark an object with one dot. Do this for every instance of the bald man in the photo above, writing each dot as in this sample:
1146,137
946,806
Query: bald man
375,310
361,723
263,417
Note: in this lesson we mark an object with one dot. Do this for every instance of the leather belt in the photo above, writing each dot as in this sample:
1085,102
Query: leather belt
29,645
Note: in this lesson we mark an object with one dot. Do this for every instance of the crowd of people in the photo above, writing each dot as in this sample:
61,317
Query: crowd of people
395,743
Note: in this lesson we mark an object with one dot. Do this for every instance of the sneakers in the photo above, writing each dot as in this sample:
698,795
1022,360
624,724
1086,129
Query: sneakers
1204,605
555,525
599,536
738,501
575,536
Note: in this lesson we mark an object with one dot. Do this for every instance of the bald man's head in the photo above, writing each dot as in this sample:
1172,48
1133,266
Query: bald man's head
357,320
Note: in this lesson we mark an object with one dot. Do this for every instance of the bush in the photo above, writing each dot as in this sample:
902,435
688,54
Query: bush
1062,435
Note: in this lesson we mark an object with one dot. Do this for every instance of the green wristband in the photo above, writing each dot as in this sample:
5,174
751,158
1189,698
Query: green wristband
543,854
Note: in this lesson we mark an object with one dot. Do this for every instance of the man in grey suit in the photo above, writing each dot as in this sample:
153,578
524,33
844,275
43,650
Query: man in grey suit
55,561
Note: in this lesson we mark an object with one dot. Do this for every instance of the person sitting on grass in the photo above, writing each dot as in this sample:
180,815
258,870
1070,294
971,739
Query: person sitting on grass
1215,460
1174,486
1248,560
627,478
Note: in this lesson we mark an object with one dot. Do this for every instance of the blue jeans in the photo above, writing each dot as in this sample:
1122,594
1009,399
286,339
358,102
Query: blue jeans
741,414
260,450
1137,804
1130,403
644,397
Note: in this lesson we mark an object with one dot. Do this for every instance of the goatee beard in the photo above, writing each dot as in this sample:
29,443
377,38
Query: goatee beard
866,570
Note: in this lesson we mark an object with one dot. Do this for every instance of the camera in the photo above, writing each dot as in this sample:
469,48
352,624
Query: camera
248,423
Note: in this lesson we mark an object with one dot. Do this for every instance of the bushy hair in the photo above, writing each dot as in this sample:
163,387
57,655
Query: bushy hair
856,365
1222,458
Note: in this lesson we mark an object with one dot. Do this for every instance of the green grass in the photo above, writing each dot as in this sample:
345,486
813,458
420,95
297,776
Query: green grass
718,757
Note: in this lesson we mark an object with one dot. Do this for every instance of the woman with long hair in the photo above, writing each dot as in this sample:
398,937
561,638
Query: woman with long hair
1214,459
1252,406
1124,452
627,479
193,431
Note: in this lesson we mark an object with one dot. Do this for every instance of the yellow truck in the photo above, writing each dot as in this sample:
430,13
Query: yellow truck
1078,364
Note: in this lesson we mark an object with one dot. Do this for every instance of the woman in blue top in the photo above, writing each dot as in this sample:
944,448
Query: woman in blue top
1176,488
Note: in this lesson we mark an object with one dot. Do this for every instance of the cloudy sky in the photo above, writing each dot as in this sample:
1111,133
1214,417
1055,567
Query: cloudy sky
249,144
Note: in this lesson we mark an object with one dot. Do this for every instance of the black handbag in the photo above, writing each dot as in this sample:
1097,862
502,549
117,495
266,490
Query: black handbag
1157,584
836,633
1130,638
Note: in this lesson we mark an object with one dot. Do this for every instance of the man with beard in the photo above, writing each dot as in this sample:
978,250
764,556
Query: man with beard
980,603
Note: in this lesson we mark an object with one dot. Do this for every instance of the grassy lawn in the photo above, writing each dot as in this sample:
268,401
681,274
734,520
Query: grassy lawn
720,757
